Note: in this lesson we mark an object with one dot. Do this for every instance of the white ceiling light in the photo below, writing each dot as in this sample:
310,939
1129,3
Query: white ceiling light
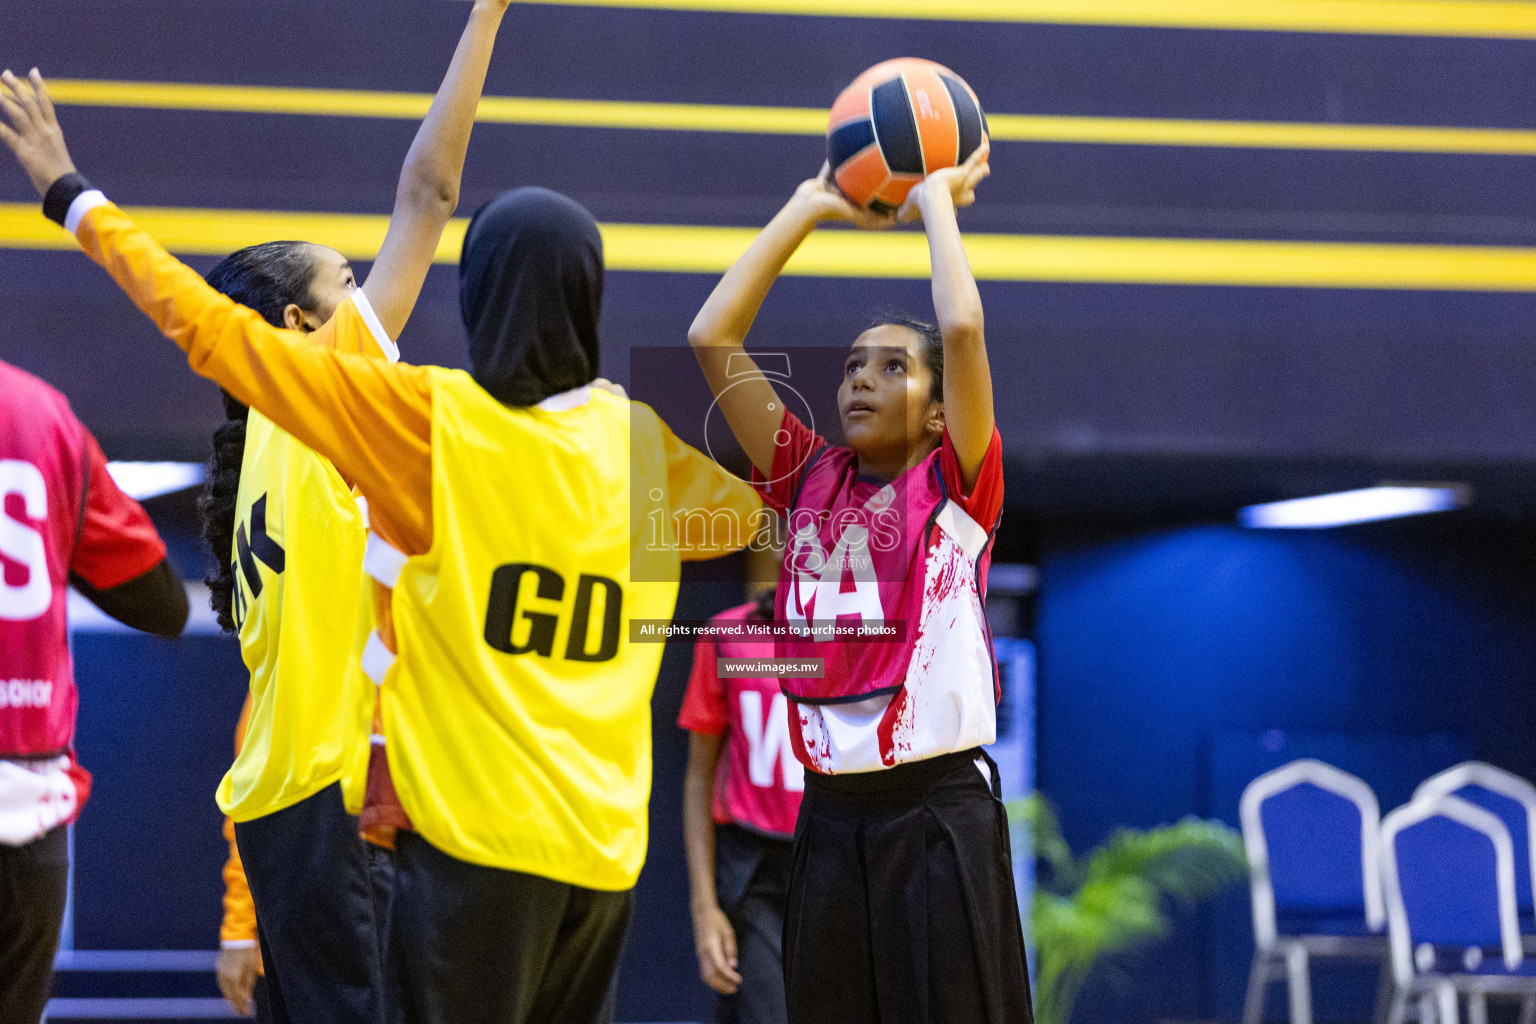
141,480
1389,501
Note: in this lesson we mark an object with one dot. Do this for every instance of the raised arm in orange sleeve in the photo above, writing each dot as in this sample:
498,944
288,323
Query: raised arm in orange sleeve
371,418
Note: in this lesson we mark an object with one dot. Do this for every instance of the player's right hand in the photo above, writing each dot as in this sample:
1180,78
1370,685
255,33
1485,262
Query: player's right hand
958,183
33,133
824,201
715,941
237,969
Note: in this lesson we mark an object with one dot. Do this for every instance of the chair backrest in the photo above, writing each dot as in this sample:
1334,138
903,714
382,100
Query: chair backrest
1507,795
1311,832
1448,870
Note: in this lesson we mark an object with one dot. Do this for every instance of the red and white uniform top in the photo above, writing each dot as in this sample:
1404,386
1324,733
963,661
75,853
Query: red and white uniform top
60,515
906,560
759,782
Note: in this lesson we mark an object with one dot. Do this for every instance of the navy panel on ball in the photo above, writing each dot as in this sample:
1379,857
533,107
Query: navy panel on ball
967,114
896,125
847,140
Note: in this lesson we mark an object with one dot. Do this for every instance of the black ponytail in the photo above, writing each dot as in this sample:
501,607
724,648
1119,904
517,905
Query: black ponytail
217,507
267,278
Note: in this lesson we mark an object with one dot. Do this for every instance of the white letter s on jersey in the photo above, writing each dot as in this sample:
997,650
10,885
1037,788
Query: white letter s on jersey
20,543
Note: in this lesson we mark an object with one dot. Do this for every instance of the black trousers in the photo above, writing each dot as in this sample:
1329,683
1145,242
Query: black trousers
902,908
263,1004
752,882
34,880
480,945
317,915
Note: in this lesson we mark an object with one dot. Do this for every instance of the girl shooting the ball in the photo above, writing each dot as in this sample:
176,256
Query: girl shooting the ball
902,905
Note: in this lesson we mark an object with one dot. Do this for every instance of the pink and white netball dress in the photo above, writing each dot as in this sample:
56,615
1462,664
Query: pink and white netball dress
60,513
906,561
759,783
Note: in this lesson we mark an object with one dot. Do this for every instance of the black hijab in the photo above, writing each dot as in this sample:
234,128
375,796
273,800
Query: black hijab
530,291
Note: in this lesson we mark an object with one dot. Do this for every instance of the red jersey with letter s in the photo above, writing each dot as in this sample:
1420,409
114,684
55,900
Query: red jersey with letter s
906,557
60,514
759,782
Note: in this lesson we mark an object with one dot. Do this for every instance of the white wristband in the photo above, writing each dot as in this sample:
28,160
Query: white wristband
84,203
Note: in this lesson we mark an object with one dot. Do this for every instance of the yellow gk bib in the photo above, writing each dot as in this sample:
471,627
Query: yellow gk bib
299,590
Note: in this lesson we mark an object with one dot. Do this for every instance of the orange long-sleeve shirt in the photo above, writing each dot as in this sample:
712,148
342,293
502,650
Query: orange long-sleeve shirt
238,928
372,419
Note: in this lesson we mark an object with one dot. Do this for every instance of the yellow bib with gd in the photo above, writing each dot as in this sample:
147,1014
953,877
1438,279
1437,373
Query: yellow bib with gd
300,610
517,712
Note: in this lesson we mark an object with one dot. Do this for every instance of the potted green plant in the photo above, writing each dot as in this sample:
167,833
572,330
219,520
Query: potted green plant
1114,898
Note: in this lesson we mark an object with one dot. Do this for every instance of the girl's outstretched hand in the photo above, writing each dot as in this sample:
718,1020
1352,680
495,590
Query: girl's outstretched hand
826,202
33,132
959,183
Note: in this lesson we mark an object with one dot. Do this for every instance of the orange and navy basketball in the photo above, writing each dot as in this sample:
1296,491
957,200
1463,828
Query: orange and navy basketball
898,122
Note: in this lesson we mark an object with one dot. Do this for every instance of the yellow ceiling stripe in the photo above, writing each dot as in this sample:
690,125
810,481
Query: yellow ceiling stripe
710,250
1136,131
1147,131
1494,19
413,106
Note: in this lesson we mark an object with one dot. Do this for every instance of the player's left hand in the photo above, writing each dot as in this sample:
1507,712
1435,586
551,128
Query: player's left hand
33,133
715,942
825,202
957,183
236,970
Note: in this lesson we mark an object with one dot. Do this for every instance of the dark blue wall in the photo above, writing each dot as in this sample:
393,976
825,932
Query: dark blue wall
156,730
1087,368
1175,666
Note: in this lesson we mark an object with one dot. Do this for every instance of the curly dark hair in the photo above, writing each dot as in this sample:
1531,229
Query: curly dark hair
933,345
267,278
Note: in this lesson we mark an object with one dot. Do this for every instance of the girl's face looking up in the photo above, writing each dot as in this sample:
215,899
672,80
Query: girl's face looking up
332,283
885,400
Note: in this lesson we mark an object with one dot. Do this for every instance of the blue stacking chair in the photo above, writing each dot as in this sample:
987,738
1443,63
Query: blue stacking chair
1311,833
1448,871
1513,799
